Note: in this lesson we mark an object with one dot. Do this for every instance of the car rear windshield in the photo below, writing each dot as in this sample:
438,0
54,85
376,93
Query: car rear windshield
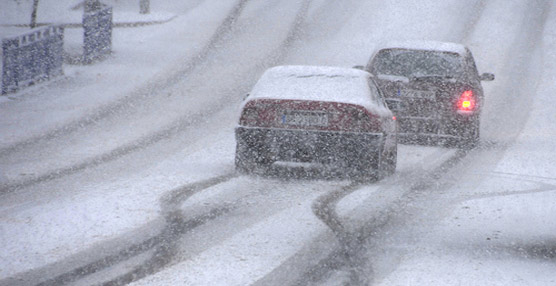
417,63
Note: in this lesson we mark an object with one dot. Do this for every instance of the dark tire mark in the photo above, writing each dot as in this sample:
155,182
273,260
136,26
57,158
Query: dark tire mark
542,188
541,250
352,241
523,177
163,244
349,242
279,53
176,226
324,208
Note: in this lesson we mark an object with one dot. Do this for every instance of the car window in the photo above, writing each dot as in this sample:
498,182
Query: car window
416,63
472,68
375,93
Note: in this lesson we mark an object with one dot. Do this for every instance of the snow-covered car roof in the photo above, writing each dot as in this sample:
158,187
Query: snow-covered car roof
426,45
317,83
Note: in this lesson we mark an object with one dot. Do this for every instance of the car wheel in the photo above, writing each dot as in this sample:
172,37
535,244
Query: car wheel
360,169
387,163
248,160
244,161
391,161
373,170
471,138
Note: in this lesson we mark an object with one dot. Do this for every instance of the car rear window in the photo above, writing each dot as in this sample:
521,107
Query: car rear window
416,63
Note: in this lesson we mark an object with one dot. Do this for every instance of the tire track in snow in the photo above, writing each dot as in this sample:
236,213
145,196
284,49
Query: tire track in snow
176,226
175,127
119,106
538,180
123,104
153,264
163,244
352,241
350,254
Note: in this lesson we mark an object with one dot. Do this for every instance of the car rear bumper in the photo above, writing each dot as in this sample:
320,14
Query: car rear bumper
315,146
446,129
441,126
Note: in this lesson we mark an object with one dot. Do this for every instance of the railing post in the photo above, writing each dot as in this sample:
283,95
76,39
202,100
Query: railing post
144,7
34,14
92,5
97,29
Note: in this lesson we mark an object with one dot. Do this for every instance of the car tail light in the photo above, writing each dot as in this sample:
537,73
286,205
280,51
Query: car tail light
330,116
260,113
249,116
466,101
362,120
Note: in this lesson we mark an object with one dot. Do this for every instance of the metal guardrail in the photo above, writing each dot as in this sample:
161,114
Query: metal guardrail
34,56
39,54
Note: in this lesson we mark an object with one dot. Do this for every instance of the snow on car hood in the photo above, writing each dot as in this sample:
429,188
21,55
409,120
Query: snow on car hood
318,83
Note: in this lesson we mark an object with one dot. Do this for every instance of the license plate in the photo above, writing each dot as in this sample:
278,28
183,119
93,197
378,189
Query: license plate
305,118
416,93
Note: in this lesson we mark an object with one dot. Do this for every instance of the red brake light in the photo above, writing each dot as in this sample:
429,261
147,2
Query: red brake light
249,116
364,121
466,101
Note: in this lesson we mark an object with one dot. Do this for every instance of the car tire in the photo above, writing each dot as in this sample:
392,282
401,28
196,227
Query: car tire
387,163
371,170
249,160
471,138
391,161
244,161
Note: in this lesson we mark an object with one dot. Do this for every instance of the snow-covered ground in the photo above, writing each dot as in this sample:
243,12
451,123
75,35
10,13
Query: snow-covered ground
103,157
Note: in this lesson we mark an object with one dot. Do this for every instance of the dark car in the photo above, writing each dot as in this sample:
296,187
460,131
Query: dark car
434,90
323,116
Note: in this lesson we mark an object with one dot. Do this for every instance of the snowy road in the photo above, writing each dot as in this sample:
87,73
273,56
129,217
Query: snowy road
138,186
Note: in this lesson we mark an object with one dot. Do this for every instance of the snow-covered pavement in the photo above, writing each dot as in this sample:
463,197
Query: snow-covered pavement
136,152
501,228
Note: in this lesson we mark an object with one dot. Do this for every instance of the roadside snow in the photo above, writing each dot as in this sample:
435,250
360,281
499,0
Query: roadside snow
500,230
55,229
141,55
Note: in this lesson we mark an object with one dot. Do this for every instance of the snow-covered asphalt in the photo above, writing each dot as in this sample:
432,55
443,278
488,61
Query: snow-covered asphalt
122,172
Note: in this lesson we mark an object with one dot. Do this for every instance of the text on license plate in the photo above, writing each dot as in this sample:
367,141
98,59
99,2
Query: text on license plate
305,118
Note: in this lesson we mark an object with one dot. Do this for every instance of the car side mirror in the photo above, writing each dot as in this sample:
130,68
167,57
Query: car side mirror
359,67
395,105
486,77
